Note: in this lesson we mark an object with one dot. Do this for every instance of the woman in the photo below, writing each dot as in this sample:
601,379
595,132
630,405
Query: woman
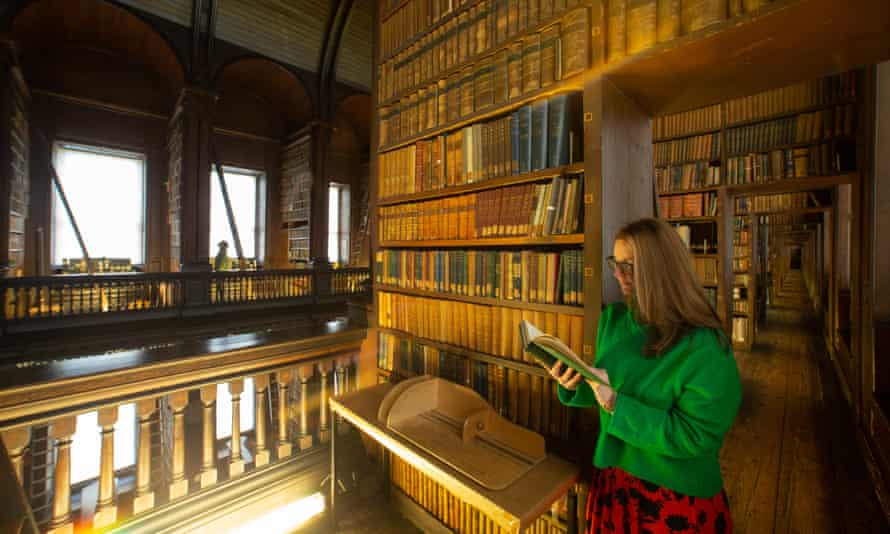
673,392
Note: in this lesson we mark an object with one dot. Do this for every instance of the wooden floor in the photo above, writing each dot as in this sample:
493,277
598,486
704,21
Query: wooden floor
791,462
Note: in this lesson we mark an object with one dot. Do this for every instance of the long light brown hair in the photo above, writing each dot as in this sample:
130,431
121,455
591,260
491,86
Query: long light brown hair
667,295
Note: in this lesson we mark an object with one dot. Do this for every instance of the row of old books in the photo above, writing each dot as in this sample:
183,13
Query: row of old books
525,399
558,49
461,516
490,82
740,300
822,91
296,181
526,276
530,210
478,327
687,122
687,176
411,19
706,269
815,160
688,205
804,128
546,134
700,147
777,202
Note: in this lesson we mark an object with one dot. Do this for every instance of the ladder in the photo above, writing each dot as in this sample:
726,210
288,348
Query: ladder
359,238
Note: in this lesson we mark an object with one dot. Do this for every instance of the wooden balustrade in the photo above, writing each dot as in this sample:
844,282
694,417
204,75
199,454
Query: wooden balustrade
27,300
152,394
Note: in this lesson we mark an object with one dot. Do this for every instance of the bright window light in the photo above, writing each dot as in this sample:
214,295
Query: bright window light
224,409
338,223
86,444
242,188
286,518
101,185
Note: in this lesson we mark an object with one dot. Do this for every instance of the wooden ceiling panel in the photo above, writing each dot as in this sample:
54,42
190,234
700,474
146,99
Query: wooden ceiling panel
354,58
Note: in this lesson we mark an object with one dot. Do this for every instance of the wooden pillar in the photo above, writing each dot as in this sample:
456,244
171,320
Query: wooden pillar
16,440
318,237
179,485
61,431
261,454
304,440
194,110
324,431
106,509
236,463
284,445
208,465
145,499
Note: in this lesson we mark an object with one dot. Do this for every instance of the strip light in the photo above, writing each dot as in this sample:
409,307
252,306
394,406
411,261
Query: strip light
286,518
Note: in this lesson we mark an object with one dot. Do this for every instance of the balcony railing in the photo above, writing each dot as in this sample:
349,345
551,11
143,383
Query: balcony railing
291,386
32,302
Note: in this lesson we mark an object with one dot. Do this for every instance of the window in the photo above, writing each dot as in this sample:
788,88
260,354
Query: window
338,223
105,189
86,444
247,194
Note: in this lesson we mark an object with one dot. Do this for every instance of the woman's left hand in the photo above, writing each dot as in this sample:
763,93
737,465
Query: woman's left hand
605,395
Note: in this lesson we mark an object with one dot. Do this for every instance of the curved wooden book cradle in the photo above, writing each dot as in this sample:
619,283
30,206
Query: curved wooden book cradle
457,426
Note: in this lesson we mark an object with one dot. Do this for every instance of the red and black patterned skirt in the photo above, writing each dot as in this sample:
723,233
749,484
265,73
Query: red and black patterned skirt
620,503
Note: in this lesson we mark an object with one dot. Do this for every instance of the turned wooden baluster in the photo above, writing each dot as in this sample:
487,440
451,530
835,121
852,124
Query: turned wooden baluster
261,455
179,485
305,374
61,431
236,462
145,497
208,465
324,431
106,509
16,440
284,445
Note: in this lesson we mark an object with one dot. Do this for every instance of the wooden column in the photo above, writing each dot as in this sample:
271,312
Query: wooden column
324,431
179,485
61,431
284,445
16,440
236,463
145,498
208,465
106,509
304,440
261,454
194,110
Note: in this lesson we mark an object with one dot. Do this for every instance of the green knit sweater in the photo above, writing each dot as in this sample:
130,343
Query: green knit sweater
671,411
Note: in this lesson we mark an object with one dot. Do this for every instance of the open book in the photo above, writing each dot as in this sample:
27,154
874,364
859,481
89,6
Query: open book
548,349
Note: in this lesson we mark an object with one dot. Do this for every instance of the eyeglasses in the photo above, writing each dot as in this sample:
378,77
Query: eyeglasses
625,267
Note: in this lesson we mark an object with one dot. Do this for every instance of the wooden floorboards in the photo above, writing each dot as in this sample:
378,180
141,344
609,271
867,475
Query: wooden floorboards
791,462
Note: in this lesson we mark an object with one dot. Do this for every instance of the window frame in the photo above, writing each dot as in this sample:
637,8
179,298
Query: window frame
259,213
60,144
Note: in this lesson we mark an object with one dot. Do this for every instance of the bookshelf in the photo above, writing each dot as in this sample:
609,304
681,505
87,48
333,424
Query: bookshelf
770,150
447,67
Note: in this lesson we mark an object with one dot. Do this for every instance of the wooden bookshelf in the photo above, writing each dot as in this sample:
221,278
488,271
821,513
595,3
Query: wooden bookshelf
556,240
494,183
793,185
709,189
507,303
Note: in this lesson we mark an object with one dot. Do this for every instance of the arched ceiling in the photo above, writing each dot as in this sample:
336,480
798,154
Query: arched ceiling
262,93
354,58
47,27
355,110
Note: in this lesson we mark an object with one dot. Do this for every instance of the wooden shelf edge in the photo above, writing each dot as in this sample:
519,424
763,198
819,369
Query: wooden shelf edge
793,185
570,84
494,183
684,135
705,218
525,367
707,189
556,240
553,308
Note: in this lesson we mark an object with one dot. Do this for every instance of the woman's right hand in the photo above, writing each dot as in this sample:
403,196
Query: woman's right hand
566,376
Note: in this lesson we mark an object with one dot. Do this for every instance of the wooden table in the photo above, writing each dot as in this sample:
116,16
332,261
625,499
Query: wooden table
514,508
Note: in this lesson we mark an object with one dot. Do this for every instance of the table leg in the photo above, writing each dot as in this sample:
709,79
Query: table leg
572,519
333,510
